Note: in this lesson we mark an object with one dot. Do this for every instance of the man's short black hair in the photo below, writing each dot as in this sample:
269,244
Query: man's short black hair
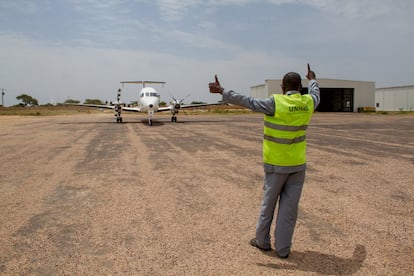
292,81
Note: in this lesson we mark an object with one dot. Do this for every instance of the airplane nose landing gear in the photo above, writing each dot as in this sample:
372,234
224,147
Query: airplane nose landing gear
150,114
118,107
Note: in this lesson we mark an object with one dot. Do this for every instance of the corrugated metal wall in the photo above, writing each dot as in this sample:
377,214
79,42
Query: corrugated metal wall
363,95
395,98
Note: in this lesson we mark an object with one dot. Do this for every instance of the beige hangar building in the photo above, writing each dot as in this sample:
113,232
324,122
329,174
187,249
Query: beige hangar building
336,95
398,98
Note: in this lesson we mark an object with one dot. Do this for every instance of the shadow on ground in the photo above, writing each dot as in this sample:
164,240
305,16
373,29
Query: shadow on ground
311,261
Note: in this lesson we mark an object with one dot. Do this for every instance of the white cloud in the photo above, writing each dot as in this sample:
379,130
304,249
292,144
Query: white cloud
343,39
172,10
194,40
356,8
23,6
46,72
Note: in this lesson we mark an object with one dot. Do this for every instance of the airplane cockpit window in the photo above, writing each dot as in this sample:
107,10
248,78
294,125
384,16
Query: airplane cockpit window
149,94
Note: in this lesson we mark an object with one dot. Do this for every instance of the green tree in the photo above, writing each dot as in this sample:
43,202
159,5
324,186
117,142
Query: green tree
195,102
27,100
93,101
71,101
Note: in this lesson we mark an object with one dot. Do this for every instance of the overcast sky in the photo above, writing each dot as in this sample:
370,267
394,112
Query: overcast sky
59,49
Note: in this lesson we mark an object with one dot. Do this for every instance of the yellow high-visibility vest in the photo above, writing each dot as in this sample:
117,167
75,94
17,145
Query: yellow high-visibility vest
284,141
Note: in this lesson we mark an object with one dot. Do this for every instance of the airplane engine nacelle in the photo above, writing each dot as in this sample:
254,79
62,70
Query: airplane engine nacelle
118,108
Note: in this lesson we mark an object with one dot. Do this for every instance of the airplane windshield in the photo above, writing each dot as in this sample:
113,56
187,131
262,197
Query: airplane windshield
149,94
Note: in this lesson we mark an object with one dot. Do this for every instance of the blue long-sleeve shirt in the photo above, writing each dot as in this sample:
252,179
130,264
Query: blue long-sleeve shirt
267,106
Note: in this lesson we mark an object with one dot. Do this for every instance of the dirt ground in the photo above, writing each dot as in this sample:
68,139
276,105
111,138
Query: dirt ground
81,195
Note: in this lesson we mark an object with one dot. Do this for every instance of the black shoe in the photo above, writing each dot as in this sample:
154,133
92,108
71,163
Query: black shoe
253,242
283,256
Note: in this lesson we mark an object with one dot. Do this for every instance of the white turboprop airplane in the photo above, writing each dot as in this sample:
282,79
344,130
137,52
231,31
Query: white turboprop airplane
148,101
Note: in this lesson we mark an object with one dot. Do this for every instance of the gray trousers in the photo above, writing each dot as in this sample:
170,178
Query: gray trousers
287,188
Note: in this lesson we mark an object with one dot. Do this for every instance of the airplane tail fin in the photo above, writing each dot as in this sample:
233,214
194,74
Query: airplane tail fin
142,82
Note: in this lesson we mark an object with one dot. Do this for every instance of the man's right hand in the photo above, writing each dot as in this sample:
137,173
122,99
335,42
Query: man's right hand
311,75
215,87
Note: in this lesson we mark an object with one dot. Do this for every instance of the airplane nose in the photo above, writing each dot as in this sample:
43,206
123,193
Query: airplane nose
151,106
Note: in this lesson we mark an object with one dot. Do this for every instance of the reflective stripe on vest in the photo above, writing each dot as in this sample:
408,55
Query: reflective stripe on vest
284,141
282,127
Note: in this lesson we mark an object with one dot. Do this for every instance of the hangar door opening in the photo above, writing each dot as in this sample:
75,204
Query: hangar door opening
336,100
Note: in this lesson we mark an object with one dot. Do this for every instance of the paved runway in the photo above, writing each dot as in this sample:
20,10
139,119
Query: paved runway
82,195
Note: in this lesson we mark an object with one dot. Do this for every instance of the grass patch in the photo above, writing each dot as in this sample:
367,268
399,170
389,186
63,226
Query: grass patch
395,112
45,110
72,110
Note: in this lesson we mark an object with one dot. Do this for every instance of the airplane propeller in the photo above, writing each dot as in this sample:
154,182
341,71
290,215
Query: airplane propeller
176,107
177,104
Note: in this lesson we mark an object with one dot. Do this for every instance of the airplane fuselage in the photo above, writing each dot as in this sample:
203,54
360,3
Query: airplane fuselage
148,100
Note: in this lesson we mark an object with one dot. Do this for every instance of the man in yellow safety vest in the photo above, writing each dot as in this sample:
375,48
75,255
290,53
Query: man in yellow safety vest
286,119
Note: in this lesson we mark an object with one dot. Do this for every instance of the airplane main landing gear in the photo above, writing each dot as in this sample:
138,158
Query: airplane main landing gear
118,110
174,115
118,117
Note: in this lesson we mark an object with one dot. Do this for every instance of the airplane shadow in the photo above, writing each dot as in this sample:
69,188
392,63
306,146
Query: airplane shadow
161,121
200,121
316,262
213,121
94,123
155,123
143,122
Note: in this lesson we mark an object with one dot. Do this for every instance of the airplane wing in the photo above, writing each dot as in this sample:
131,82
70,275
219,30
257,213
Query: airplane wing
131,109
172,107
165,108
124,108
95,105
199,105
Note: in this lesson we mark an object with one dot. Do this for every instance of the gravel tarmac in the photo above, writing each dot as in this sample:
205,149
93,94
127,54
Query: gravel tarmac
82,195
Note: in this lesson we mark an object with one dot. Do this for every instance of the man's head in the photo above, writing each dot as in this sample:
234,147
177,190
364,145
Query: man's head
291,81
